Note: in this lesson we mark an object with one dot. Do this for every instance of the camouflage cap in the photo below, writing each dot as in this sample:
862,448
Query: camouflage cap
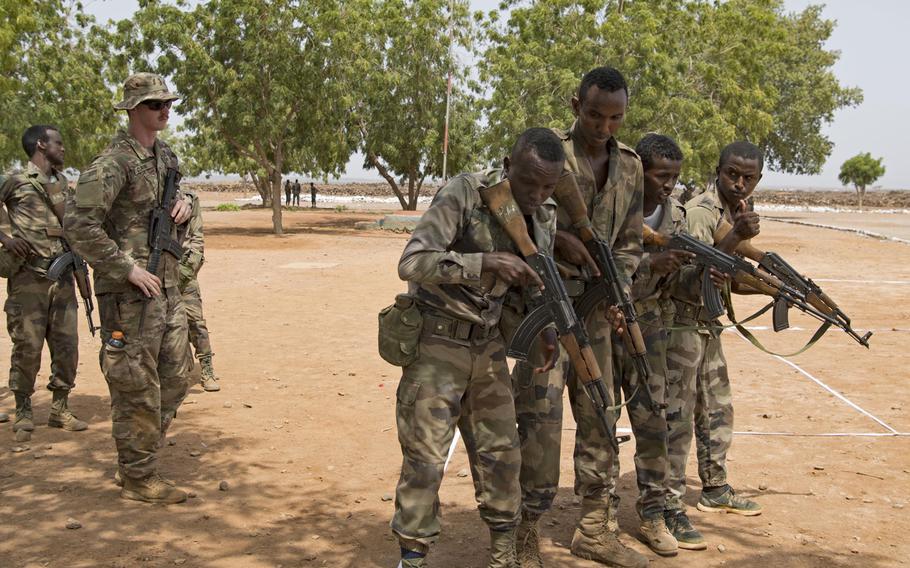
144,87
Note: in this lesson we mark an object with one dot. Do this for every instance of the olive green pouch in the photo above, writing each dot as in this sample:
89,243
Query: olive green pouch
10,263
399,331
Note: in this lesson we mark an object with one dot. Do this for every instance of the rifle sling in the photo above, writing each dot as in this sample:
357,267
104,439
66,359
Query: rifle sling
822,329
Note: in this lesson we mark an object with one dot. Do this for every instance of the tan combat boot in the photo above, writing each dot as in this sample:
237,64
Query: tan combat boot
655,534
594,541
527,542
61,417
151,489
502,549
23,426
209,380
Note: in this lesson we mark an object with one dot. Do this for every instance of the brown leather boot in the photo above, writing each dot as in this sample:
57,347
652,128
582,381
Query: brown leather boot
209,380
23,426
594,541
61,417
151,489
527,542
502,549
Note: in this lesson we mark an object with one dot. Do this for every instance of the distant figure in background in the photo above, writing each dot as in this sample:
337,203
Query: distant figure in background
287,192
312,195
296,189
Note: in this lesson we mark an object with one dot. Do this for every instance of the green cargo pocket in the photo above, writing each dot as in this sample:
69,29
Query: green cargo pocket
399,331
123,367
407,392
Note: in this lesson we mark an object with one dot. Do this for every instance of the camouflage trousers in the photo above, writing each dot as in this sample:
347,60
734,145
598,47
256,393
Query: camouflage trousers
147,378
465,385
699,397
198,332
39,310
648,427
539,406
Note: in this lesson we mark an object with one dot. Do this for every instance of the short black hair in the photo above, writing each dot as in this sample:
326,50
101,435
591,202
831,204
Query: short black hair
742,149
607,79
34,134
657,146
543,141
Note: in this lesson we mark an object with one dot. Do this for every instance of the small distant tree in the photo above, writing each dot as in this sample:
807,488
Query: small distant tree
861,170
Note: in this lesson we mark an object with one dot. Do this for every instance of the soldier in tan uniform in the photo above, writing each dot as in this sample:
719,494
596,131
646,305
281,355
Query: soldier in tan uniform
37,308
699,393
609,175
460,265
190,264
107,222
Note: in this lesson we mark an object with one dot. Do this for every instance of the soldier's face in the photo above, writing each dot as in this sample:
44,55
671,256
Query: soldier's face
533,179
53,148
660,179
600,115
737,178
151,116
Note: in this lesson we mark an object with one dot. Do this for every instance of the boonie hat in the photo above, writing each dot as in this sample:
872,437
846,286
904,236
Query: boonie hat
144,87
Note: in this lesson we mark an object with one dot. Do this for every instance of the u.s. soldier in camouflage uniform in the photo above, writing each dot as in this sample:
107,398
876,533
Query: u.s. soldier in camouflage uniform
39,309
661,162
460,264
610,177
698,384
193,258
107,222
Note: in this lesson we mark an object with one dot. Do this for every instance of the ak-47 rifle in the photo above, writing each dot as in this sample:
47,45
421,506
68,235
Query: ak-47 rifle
552,305
609,288
810,291
742,272
160,225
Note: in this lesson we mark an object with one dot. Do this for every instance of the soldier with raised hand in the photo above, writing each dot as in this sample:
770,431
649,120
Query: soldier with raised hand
39,309
460,265
699,393
107,223
609,175
190,264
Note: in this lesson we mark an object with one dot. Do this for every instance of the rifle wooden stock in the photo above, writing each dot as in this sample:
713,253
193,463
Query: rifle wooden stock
583,361
570,199
502,204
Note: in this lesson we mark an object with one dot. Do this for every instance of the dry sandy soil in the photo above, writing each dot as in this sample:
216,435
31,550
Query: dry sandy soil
303,430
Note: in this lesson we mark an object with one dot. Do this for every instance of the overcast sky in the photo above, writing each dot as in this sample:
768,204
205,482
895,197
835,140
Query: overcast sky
868,35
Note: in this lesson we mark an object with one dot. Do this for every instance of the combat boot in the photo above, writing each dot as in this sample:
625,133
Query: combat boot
594,541
723,499
209,380
527,542
151,489
23,426
61,417
655,534
502,549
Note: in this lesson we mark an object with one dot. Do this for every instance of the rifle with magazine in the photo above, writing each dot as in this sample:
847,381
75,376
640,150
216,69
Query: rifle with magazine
810,291
550,306
609,288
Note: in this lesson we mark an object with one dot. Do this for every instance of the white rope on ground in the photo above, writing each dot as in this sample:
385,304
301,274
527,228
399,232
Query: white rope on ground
797,434
848,281
861,232
830,390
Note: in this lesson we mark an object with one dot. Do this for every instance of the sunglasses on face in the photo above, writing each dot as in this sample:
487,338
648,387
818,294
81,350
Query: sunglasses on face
157,105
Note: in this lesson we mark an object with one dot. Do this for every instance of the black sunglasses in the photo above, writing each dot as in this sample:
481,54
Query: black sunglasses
157,105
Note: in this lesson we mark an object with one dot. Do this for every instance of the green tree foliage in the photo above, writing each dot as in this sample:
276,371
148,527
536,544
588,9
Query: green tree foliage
705,73
53,71
861,170
401,97
263,83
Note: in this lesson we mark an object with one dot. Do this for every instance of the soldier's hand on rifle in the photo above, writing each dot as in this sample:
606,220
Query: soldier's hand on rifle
745,222
549,342
510,269
181,212
147,282
669,261
719,278
17,246
573,250
616,319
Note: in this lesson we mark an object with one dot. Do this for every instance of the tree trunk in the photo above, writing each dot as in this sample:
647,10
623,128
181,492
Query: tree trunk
861,191
263,187
275,176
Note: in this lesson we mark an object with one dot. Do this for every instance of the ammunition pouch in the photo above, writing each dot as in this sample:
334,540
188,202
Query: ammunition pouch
399,331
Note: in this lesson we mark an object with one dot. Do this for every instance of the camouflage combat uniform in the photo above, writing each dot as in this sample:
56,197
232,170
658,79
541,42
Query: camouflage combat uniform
190,264
697,379
38,309
460,377
107,222
616,215
651,295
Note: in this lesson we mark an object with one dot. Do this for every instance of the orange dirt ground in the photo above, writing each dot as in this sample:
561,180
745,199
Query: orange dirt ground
303,430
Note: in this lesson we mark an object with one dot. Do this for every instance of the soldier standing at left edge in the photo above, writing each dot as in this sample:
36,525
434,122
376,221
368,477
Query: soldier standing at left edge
107,221
38,308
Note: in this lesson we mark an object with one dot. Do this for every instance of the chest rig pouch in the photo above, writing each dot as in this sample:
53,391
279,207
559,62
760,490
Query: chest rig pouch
399,331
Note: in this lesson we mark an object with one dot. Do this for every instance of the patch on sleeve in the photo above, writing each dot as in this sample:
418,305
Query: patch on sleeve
90,188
